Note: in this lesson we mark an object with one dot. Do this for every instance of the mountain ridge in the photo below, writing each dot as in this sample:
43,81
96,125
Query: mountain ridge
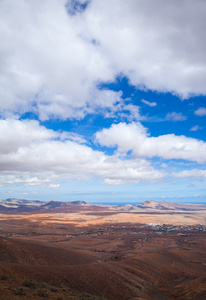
23,205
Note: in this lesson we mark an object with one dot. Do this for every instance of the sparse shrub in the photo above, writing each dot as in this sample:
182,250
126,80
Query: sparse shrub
19,292
43,294
43,285
116,258
53,289
5,276
31,284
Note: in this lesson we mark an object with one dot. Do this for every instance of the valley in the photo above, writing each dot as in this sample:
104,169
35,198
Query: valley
103,252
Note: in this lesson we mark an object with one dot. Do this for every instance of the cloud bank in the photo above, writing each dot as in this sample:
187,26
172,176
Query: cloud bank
53,66
134,137
35,155
57,57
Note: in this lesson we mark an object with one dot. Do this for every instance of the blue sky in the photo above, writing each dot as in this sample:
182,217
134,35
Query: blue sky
103,101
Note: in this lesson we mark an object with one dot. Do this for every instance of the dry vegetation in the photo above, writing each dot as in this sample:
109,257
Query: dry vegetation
103,253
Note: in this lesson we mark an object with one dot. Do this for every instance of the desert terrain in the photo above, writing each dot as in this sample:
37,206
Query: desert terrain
77,250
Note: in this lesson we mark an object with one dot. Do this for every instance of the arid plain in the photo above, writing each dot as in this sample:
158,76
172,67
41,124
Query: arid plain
77,250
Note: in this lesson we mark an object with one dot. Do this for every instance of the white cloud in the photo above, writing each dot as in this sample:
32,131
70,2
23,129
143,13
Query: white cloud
200,112
97,101
196,128
134,137
175,117
47,62
54,185
15,134
26,179
72,136
54,64
143,40
36,156
195,173
131,112
151,104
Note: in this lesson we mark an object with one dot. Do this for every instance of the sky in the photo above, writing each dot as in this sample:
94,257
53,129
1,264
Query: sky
103,100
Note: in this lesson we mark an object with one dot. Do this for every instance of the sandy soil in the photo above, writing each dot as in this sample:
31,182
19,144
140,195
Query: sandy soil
86,218
103,255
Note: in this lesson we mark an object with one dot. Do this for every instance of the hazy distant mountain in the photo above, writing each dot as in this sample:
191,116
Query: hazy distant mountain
13,205
52,204
14,202
23,205
163,205
80,203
